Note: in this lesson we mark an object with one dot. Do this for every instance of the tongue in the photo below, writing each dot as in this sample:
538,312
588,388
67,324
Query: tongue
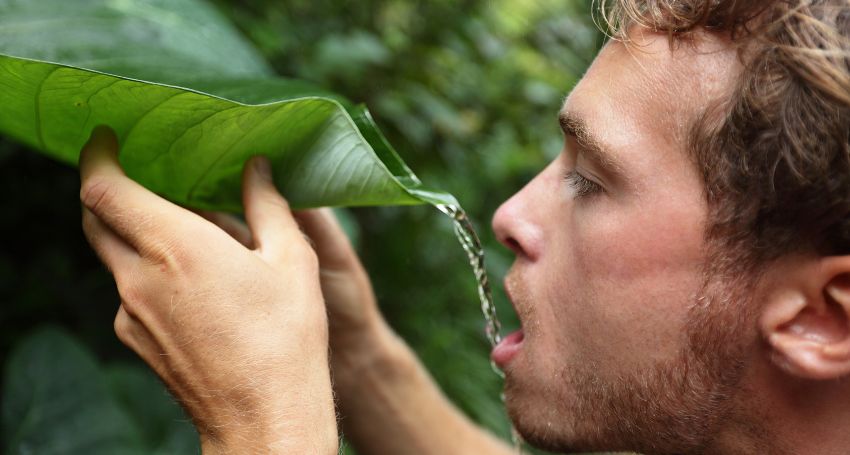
507,349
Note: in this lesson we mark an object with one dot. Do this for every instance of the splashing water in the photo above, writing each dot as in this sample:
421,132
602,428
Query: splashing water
472,245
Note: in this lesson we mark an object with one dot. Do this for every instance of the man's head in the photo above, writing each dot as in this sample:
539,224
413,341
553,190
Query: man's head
685,256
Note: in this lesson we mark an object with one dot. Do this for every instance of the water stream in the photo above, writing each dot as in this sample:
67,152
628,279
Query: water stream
469,240
475,253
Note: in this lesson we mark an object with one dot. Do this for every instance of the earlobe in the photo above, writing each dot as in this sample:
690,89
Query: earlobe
805,319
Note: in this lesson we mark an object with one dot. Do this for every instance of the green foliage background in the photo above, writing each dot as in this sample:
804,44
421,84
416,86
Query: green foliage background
466,90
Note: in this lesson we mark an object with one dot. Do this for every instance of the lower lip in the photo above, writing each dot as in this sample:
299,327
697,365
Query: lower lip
507,349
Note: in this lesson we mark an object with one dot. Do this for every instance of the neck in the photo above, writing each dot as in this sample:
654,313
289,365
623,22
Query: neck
780,414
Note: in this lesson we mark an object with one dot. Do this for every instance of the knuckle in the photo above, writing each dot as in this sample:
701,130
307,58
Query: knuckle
88,221
123,327
304,254
133,297
274,200
95,236
90,227
172,249
168,255
97,193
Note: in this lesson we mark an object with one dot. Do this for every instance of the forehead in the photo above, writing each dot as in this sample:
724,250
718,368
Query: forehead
644,95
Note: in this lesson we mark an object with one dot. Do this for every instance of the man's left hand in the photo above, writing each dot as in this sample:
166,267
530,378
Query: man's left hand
238,333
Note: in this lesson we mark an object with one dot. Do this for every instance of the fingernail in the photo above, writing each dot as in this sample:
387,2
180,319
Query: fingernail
100,131
263,167
102,134
102,139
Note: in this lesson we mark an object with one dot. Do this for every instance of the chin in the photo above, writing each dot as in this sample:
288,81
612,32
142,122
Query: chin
553,412
539,415
558,431
539,429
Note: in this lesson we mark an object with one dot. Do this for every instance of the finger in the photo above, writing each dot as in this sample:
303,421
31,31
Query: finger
114,252
118,201
266,211
231,225
329,239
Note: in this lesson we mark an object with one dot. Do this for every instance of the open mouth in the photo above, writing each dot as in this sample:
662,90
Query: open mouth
507,349
510,345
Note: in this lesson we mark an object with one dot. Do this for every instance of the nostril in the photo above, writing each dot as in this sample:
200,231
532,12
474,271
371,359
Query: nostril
512,243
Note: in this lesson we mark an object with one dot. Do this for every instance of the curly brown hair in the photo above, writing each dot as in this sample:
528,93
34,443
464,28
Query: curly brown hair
775,157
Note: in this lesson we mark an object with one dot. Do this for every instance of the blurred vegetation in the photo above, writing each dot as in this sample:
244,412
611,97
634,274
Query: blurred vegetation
466,90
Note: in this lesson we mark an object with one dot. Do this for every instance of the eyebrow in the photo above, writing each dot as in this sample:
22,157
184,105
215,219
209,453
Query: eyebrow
591,147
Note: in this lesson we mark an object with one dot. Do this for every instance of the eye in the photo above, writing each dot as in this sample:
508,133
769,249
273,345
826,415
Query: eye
581,185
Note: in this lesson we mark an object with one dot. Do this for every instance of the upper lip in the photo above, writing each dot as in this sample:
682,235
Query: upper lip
507,284
508,290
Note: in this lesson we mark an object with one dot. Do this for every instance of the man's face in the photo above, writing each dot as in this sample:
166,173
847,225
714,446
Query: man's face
609,280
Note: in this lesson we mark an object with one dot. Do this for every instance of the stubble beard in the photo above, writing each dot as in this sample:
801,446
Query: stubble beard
672,407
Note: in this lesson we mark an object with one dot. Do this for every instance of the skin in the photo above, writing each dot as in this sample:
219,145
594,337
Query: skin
603,282
631,339
613,281
245,353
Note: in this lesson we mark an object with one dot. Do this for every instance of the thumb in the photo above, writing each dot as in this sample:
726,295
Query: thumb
100,154
266,211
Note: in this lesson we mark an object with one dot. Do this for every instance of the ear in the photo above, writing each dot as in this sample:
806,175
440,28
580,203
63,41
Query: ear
805,318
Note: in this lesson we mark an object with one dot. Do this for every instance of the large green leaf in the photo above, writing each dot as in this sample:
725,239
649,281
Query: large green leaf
187,140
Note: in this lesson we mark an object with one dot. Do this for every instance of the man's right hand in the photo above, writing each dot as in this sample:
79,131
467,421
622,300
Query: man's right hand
358,332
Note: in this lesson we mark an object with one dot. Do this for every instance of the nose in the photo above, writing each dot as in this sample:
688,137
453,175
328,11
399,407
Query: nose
516,225
503,226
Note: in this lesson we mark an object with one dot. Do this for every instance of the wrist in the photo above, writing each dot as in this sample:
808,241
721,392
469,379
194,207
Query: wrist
281,421
229,449
352,353
319,441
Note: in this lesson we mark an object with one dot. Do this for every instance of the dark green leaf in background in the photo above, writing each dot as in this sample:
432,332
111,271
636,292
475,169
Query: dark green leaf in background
57,400
169,41
164,427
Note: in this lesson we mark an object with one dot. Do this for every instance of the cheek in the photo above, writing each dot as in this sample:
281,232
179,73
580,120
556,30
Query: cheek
627,245
635,273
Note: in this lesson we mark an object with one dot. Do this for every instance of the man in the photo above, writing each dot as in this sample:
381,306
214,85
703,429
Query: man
682,274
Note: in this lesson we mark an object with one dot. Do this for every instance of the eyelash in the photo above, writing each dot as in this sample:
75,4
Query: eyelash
581,185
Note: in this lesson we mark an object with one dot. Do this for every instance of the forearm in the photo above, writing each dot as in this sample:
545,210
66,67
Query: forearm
389,404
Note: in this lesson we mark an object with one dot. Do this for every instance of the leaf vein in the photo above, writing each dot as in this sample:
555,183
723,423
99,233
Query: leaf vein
149,111
226,152
39,126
